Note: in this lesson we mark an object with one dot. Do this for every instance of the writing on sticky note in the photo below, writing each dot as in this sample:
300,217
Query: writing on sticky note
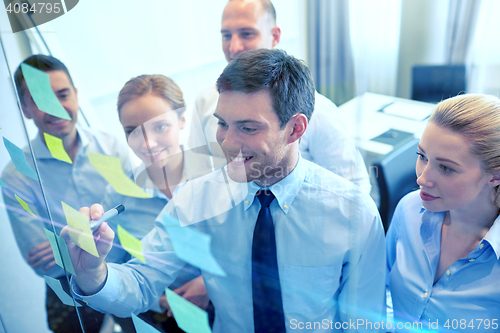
130,244
79,230
110,168
39,87
58,245
2,183
188,316
193,247
56,286
24,205
19,159
141,326
56,148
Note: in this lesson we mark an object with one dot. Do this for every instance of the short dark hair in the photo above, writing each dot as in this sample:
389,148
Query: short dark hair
42,62
288,80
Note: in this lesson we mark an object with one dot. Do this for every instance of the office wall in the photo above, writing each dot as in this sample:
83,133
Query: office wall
423,29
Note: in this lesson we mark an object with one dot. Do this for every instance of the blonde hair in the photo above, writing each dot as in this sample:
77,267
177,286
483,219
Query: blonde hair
477,118
158,85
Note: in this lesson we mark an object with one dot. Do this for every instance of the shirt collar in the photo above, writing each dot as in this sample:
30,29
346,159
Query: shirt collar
493,237
285,190
42,152
432,222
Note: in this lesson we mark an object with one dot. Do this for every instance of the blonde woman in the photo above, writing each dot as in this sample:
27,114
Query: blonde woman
443,245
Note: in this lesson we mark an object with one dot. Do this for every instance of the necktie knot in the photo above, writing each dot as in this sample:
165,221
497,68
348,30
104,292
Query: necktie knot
265,197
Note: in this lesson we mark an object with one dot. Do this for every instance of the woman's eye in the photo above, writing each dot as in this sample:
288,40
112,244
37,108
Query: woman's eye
446,169
421,156
221,124
162,127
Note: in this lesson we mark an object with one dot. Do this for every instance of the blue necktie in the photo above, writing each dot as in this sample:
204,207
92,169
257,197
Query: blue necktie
267,304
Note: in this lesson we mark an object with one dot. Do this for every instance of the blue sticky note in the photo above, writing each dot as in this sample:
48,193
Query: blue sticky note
39,87
2,183
193,247
55,285
188,316
19,159
141,326
66,259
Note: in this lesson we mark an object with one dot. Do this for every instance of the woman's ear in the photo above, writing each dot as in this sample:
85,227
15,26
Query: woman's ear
495,180
182,121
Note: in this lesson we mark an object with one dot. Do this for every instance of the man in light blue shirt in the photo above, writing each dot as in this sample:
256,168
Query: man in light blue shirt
76,184
328,234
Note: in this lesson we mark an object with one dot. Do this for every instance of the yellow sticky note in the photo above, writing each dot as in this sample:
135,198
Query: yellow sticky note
56,148
111,169
130,244
79,230
25,205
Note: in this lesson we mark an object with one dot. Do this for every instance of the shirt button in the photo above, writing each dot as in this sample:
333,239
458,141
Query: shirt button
481,246
425,295
285,206
246,202
471,260
448,272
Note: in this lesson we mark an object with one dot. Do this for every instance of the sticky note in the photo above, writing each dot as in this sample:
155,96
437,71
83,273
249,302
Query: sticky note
55,285
79,230
56,148
57,243
2,183
19,159
193,247
141,326
130,244
188,316
25,205
39,87
110,168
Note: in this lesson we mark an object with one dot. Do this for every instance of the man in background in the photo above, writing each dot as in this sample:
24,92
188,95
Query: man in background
249,25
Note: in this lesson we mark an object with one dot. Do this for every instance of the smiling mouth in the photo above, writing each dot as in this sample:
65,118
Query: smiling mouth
56,121
153,154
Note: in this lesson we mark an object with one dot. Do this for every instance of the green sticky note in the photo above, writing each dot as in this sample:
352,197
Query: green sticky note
188,316
193,247
56,241
110,168
39,87
56,148
25,205
130,244
2,183
79,230
141,326
55,285
19,159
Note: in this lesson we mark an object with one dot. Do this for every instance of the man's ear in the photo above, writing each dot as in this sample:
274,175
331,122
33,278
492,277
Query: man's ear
495,180
276,32
298,126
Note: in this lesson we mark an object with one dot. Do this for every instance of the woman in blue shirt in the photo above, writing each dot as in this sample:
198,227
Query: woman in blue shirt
443,245
151,111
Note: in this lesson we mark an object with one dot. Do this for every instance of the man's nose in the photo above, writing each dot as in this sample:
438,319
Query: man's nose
236,46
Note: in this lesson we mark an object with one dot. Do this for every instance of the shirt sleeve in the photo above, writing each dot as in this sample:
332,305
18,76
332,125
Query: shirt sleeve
362,293
134,287
27,229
